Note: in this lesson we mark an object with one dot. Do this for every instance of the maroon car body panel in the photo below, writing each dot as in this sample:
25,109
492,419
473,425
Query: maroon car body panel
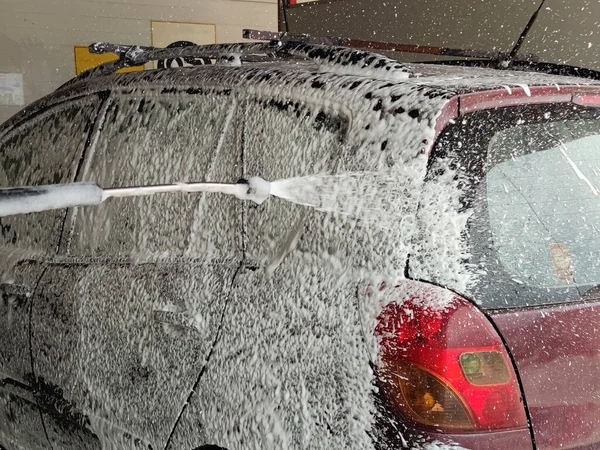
555,348
557,353
533,95
501,98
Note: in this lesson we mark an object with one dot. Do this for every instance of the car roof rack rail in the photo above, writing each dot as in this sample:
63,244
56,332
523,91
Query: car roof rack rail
526,62
326,52
383,46
339,54
135,55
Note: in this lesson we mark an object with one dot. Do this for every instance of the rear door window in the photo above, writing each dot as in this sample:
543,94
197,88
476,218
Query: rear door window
529,181
285,139
154,139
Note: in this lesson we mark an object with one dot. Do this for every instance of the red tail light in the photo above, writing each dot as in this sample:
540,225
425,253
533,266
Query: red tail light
446,366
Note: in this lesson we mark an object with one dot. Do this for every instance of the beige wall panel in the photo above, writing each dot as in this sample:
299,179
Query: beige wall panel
220,11
165,33
37,36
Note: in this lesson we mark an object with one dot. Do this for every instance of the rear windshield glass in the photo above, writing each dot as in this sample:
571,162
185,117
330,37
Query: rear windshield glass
533,190
543,203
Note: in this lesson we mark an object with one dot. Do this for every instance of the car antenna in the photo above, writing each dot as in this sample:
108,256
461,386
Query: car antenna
513,53
284,8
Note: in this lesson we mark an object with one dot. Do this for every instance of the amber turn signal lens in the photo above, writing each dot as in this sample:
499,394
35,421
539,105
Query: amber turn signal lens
426,398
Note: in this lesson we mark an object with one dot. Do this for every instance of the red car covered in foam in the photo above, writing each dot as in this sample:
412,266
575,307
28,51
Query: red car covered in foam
457,307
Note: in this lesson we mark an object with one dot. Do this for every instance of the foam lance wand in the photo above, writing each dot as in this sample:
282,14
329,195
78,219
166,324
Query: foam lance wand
24,200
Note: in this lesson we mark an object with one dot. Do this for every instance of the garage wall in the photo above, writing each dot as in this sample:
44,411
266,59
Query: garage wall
37,36
567,31
491,24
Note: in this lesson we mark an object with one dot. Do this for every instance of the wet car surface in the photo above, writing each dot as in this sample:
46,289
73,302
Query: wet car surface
406,307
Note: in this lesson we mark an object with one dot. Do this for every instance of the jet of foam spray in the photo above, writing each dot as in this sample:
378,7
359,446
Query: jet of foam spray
371,197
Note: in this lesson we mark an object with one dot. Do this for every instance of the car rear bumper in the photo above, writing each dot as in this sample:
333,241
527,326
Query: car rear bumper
499,440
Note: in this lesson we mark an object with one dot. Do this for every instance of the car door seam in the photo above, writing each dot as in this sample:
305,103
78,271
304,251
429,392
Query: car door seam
213,346
242,263
33,376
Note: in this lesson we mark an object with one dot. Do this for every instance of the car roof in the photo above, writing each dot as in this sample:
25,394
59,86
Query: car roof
298,56
453,80
461,79
334,71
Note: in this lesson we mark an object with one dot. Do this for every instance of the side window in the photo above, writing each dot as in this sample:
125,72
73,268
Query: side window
284,139
162,138
46,149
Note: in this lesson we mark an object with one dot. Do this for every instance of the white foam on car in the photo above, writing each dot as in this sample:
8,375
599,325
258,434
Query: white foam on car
289,369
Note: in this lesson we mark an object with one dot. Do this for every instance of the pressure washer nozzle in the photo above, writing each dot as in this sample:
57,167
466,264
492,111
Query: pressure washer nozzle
255,189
